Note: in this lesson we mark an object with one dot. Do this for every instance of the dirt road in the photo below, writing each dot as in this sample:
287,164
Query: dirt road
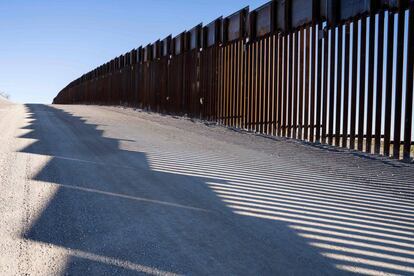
89,190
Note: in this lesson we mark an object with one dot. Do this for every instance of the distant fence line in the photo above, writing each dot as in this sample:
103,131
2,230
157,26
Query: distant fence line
4,95
327,71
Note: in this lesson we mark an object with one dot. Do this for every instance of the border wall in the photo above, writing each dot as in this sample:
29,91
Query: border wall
325,71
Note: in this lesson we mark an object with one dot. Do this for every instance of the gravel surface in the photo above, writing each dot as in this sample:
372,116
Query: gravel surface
4,102
89,190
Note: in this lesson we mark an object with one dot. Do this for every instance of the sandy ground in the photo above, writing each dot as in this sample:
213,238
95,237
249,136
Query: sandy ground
87,190
4,102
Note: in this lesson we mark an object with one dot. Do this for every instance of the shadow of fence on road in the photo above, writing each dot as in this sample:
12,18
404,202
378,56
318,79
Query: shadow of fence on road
161,210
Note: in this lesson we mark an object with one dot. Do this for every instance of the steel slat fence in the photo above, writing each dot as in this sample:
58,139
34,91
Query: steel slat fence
346,82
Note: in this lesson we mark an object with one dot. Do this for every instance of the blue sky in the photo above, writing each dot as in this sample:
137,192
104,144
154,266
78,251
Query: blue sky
46,44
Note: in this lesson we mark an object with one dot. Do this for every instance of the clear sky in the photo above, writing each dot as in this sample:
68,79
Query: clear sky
45,44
